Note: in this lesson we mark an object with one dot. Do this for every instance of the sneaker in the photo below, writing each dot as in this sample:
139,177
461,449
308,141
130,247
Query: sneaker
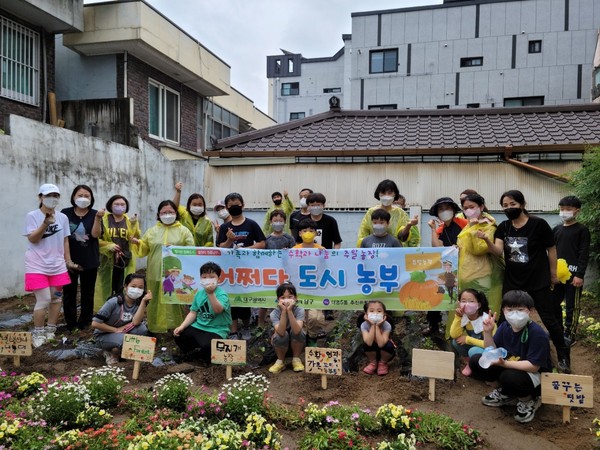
526,409
246,334
328,315
50,333
279,366
37,340
297,365
110,358
467,372
497,398
233,336
382,368
564,365
370,368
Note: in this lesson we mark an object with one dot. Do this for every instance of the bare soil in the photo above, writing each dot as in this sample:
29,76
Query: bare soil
460,399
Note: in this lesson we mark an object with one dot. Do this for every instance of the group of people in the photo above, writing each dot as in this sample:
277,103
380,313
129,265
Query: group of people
505,270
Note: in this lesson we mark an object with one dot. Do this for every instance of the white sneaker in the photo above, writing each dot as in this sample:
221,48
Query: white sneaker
50,334
526,409
37,340
110,358
246,334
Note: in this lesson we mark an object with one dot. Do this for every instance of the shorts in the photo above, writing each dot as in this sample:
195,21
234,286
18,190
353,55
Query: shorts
240,313
36,281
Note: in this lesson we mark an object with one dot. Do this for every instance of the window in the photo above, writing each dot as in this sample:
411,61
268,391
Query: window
382,107
297,115
382,61
290,88
535,46
19,62
471,62
472,105
220,122
523,101
290,66
443,106
332,90
163,112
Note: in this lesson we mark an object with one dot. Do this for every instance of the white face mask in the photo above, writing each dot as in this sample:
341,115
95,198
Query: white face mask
207,282
446,215
517,319
375,317
316,210
566,216
83,202
386,200
379,229
168,219
50,202
223,213
277,226
197,210
134,293
303,202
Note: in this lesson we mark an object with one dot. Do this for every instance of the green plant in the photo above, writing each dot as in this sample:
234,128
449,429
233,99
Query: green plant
445,432
333,439
395,417
245,394
403,442
31,383
93,417
60,403
104,384
596,428
261,433
22,434
172,391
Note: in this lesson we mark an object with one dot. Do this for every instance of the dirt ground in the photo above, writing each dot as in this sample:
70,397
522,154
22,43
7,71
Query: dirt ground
460,399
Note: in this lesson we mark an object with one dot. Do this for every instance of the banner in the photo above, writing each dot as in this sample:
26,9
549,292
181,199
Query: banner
422,278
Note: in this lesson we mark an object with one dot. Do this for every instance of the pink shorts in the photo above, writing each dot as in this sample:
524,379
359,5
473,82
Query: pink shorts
35,281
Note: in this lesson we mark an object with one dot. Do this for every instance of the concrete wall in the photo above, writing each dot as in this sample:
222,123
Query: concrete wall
35,153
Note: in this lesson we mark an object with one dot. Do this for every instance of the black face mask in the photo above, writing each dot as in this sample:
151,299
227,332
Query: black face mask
513,213
277,202
235,210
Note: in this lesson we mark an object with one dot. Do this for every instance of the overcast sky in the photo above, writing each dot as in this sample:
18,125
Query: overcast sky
243,32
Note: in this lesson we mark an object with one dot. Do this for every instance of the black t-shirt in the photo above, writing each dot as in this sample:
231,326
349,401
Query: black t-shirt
328,232
525,254
573,244
449,235
84,248
246,234
295,219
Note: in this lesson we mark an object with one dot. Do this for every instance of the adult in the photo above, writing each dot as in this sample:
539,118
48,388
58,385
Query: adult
193,217
301,213
116,258
168,230
527,243
46,261
283,203
85,225
400,225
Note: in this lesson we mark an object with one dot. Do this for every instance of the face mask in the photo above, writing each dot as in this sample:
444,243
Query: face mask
197,210
472,213
566,216
316,210
446,215
134,293
308,237
223,213
303,202
386,200
513,213
517,319
50,202
83,202
235,210
277,226
470,308
207,282
375,317
277,202
168,219
119,210
379,229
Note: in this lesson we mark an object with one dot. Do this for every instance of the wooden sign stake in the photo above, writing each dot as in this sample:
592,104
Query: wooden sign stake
136,370
432,389
139,349
15,344
432,364
567,391
17,361
566,414
323,361
228,352
228,372
324,382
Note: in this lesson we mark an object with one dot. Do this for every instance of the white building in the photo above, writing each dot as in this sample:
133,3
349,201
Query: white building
470,53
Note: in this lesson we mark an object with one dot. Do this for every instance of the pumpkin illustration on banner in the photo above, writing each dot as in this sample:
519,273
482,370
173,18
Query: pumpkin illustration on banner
419,293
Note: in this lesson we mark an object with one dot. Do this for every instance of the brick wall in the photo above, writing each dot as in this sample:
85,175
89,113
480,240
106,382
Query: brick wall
138,74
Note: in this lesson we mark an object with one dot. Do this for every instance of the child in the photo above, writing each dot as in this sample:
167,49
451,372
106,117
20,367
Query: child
518,376
278,239
209,317
380,237
287,320
573,245
376,330
120,315
307,231
467,327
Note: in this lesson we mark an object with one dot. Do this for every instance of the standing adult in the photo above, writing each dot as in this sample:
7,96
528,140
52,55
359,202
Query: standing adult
527,243
280,202
46,261
116,258
85,225
193,217
301,213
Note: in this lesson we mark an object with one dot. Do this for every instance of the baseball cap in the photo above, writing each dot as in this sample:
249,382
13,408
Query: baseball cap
46,189
220,204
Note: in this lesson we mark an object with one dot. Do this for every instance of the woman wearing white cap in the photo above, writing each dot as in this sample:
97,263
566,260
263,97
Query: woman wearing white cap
46,261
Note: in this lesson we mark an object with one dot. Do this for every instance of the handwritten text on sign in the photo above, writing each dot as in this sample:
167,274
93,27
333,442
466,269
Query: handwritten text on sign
15,344
568,390
228,351
326,361
138,348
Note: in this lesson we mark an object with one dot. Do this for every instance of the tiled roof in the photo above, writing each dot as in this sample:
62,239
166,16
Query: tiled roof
423,132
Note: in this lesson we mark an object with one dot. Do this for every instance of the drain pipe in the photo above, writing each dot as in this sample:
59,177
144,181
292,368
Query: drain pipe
544,172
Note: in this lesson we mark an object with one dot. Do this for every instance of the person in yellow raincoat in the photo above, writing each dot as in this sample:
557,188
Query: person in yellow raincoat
285,204
400,226
118,230
167,231
193,217
477,268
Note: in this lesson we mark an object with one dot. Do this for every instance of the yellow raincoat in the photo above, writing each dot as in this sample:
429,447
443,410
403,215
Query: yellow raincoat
287,206
161,317
202,230
398,221
103,289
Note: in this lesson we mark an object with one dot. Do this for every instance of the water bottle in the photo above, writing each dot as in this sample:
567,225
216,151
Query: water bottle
491,355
